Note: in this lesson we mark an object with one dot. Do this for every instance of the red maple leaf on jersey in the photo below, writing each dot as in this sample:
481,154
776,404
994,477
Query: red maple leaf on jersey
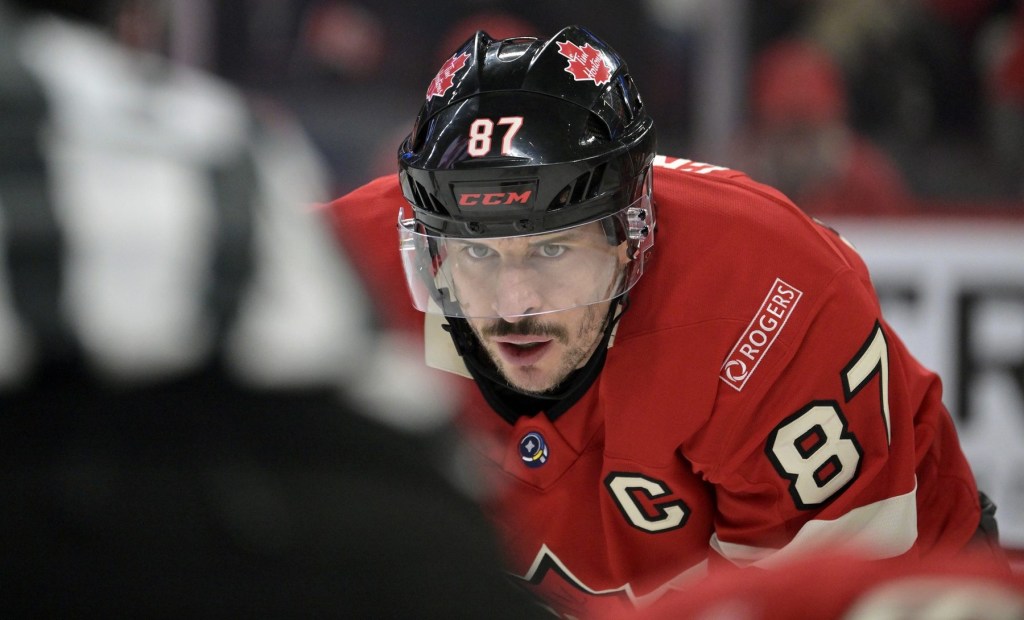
445,78
585,63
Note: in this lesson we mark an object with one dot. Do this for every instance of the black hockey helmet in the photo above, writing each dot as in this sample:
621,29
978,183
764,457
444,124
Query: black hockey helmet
523,137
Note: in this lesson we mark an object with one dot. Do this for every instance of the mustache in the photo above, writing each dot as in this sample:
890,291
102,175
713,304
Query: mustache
529,326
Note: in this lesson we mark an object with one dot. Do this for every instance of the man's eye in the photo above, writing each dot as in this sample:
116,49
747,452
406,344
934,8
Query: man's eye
552,250
478,251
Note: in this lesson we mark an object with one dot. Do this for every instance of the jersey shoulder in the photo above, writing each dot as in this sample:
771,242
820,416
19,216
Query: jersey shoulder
722,240
364,221
730,188
365,218
370,200
733,261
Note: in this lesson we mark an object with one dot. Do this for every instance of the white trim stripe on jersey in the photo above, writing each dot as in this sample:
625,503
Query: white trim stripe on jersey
884,529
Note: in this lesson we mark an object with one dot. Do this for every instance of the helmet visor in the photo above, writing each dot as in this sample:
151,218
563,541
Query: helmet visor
525,275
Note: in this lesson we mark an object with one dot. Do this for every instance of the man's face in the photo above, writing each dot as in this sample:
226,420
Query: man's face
537,294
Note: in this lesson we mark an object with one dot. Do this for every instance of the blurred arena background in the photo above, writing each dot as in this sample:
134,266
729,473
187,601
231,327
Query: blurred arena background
898,122
938,85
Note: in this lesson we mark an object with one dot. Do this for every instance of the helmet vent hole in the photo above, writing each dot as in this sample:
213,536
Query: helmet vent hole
512,49
594,188
436,204
628,109
631,96
596,127
422,196
579,188
426,199
585,187
562,199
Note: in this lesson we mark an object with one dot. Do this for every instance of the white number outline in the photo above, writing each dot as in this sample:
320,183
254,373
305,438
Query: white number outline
481,132
872,359
672,514
836,446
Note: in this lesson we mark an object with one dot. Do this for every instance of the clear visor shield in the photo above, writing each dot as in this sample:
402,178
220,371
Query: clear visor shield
525,275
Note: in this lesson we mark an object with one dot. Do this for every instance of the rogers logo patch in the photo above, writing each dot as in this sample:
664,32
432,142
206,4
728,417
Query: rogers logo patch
759,336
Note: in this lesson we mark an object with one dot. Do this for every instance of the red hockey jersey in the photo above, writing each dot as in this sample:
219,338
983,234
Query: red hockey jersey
754,404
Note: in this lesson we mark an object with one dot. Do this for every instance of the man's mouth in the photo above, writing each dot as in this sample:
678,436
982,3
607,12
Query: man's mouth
522,350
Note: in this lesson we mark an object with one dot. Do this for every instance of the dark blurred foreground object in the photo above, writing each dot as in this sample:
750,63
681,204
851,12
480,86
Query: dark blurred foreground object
199,418
199,499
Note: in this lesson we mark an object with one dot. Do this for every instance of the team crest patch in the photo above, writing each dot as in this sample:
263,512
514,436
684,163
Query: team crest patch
585,63
445,78
760,334
533,449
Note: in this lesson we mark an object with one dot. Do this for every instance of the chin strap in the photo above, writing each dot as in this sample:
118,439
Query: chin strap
466,343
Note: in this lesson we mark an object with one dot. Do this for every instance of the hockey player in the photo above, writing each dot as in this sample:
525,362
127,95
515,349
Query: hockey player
730,393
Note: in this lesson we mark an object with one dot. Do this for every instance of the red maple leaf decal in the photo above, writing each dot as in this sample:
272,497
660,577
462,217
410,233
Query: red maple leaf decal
445,78
585,63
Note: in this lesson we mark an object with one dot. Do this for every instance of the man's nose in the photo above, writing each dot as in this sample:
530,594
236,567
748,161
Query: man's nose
516,293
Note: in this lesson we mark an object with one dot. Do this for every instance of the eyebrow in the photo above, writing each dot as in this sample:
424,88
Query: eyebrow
568,235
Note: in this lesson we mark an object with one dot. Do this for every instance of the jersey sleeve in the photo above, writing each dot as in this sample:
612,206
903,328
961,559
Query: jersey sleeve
838,440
